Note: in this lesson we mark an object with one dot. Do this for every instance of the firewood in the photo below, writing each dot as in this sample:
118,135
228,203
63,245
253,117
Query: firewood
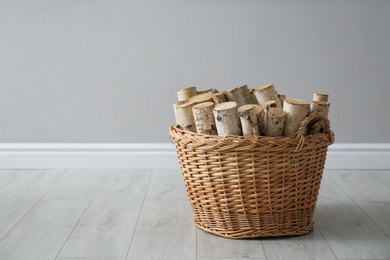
317,96
186,93
249,122
227,119
204,118
209,90
297,110
275,121
241,95
266,93
320,106
200,98
259,112
184,116
219,98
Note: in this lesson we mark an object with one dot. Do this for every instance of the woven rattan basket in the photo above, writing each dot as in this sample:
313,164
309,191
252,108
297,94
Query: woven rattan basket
241,187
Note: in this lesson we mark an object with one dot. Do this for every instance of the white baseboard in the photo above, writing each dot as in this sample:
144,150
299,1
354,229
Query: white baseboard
157,156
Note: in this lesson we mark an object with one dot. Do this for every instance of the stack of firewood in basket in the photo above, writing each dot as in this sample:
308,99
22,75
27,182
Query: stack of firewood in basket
244,112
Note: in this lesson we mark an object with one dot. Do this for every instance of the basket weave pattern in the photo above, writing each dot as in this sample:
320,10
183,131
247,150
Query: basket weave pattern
242,187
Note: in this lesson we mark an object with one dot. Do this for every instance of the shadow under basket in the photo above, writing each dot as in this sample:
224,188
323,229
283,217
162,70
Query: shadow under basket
246,187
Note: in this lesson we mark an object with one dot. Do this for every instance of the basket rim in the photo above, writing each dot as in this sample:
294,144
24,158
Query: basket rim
220,143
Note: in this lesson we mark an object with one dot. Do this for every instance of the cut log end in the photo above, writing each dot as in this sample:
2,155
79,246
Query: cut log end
317,96
186,93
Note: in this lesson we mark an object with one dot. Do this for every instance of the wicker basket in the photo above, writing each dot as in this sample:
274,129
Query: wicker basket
241,187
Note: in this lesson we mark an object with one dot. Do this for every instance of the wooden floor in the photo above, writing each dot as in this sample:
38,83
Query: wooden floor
145,214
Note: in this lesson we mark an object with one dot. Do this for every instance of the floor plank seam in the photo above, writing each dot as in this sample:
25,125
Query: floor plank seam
326,241
139,213
81,216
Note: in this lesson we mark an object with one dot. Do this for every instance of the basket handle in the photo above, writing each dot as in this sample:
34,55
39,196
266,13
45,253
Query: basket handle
307,124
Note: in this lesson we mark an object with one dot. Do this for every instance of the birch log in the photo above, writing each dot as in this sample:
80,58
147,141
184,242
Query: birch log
259,112
186,93
241,95
320,106
219,98
266,93
184,116
204,118
249,122
209,90
266,106
227,120
317,96
275,121
200,98
296,111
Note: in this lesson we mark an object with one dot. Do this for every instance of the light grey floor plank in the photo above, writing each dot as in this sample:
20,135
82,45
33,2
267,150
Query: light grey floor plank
166,185
220,258
368,186
42,231
165,230
308,246
106,228
90,258
347,229
22,193
370,190
96,215
6,176
212,246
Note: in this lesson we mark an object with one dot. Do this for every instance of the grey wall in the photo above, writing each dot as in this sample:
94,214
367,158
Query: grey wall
108,71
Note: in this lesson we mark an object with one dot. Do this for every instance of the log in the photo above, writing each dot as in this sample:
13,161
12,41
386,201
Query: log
201,98
186,93
249,122
241,95
296,111
219,98
266,106
317,96
227,119
266,93
184,116
204,118
320,106
275,121
259,112
209,90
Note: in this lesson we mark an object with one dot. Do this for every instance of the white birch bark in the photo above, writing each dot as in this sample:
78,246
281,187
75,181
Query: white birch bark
227,120
275,121
249,122
259,112
296,111
204,118
241,95
266,93
184,116
320,106
186,93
